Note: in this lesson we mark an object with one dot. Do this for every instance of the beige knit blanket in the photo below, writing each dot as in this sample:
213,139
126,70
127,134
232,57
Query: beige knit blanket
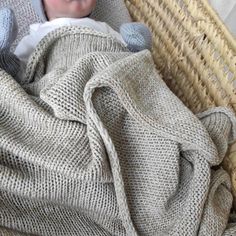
94,143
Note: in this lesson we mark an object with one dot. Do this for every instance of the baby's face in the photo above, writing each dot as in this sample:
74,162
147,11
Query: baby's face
68,8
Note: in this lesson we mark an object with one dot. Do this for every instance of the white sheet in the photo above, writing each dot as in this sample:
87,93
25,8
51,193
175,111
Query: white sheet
227,11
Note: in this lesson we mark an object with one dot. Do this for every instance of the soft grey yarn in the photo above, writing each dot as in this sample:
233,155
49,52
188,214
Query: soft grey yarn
39,9
94,143
113,12
10,63
25,16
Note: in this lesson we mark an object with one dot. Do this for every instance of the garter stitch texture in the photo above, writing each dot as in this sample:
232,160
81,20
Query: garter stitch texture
94,143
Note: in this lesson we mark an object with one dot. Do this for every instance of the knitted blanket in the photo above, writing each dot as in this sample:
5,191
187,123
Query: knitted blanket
94,143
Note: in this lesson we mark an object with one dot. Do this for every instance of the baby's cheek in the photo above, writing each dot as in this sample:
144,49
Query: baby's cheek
54,3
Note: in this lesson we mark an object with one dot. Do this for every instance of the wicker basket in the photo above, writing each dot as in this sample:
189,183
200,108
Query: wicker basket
195,53
192,49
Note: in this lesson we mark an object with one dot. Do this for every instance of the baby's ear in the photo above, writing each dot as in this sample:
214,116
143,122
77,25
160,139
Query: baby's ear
39,9
137,36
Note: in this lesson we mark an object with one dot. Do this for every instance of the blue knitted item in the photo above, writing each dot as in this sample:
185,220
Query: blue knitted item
8,32
8,28
137,36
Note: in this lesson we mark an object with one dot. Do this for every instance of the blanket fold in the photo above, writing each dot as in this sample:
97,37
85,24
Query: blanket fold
92,142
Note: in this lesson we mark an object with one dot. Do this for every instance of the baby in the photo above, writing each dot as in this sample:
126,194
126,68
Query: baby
58,13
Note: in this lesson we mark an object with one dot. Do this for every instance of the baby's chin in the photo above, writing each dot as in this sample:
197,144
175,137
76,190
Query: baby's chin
77,15
69,15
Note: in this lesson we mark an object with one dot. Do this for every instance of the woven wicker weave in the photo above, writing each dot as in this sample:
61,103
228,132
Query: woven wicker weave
193,50
195,53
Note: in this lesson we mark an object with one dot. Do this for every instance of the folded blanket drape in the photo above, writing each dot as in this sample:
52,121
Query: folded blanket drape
94,143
